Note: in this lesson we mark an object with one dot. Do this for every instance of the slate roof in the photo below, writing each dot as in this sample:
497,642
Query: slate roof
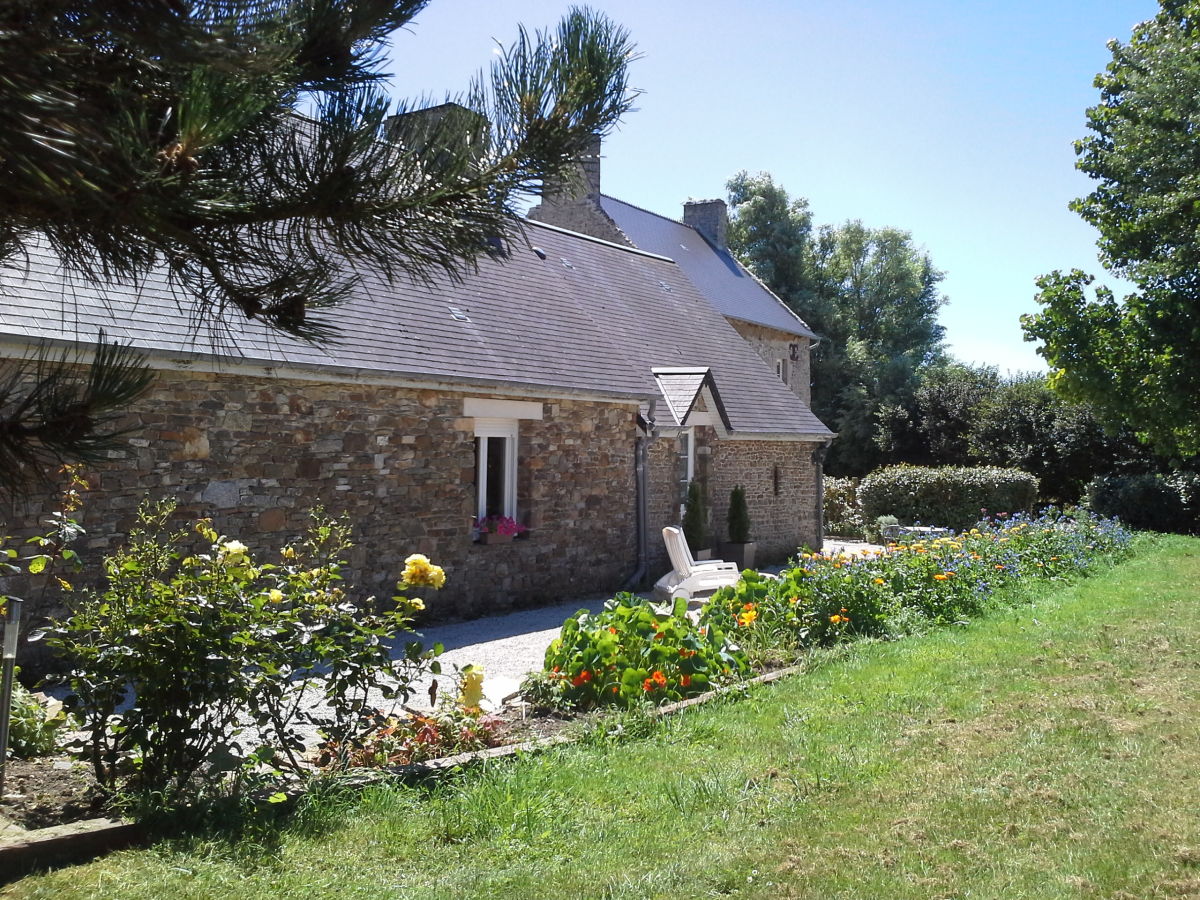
575,314
715,272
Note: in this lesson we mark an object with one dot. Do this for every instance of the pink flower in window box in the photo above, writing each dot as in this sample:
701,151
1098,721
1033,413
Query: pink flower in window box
498,529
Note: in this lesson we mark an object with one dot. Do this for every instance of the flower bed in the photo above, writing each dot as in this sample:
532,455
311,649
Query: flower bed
819,600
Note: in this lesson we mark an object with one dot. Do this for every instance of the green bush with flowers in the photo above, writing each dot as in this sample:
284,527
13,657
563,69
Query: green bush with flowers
193,671
631,652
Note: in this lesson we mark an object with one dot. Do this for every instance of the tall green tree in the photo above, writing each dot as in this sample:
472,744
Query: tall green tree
167,135
871,295
1138,359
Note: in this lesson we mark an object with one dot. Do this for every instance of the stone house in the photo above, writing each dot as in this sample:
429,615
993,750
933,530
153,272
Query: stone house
572,382
699,247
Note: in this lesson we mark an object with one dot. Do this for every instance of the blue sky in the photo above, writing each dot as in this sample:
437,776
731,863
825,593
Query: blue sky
951,120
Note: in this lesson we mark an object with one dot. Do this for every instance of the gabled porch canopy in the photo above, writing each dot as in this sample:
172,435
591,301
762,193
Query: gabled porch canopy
682,389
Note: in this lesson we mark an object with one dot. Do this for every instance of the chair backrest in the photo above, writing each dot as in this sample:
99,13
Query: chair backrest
678,550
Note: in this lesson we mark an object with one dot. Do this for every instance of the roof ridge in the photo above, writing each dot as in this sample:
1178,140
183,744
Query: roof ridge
649,212
795,315
595,240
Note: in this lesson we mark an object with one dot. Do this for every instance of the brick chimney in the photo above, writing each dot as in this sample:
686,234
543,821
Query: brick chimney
574,201
710,218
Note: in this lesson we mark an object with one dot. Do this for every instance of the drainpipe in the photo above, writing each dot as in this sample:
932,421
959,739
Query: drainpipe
641,504
818,460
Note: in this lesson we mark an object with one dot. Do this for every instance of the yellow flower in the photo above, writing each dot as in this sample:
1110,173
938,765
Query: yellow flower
420,572
275,595
288,552
940,577
879,581
746,616
233,549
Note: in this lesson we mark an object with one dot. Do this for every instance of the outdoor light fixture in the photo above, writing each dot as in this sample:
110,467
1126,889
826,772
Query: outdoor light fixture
12,626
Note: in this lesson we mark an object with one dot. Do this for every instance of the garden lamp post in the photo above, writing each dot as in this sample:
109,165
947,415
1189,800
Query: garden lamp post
12,624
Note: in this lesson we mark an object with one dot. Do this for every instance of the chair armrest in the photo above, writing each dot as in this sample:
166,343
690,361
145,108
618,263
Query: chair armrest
715,565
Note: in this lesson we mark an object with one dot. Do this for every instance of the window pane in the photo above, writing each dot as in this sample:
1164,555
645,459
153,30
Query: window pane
495,475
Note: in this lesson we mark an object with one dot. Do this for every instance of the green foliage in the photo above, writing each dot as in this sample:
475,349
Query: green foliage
823,599
1151,501
949,497
167,137
871,295
53,409
842,513
962,415
695,518
34,724
172,657
630,652
1137,359
738,517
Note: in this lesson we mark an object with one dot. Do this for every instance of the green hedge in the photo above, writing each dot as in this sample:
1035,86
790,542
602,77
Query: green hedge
1154,502
947,497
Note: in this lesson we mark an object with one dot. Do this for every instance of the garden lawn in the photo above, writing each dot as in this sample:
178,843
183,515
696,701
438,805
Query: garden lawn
1049,750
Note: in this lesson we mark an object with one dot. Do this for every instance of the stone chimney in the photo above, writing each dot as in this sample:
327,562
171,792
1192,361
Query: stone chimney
710,218
438,131
573,202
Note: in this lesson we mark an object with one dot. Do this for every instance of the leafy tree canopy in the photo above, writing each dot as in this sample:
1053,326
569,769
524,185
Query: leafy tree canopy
1138,359
870,293
166,135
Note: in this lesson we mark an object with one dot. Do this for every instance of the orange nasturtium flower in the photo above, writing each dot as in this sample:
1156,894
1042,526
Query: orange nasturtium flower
655,681
879,581
838,620
685,681
611,630
581,679
940,577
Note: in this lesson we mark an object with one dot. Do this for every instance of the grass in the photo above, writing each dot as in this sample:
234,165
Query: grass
1049,750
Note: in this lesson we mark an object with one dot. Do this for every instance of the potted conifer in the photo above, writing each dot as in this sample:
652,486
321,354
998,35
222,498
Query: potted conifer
695,522
740,548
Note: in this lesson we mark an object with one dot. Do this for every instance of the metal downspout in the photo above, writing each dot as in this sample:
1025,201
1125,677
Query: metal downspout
641,506
818,459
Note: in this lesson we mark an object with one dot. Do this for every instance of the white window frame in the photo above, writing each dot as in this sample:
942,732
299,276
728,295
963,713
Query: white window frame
489,429
781,369
688,434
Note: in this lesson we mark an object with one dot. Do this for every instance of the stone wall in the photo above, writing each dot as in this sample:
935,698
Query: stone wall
773,346
257,454
779,478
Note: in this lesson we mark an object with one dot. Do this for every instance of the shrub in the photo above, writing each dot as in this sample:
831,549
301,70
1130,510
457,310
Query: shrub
1155,502
200,643
880,530
34,724
738,518
842,513
950,497
631,652
695,518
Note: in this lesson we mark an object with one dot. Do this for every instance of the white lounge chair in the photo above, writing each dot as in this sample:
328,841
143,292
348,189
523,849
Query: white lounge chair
689,576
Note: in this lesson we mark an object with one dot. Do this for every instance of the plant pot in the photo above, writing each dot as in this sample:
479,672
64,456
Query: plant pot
742,554
492,537
703,554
